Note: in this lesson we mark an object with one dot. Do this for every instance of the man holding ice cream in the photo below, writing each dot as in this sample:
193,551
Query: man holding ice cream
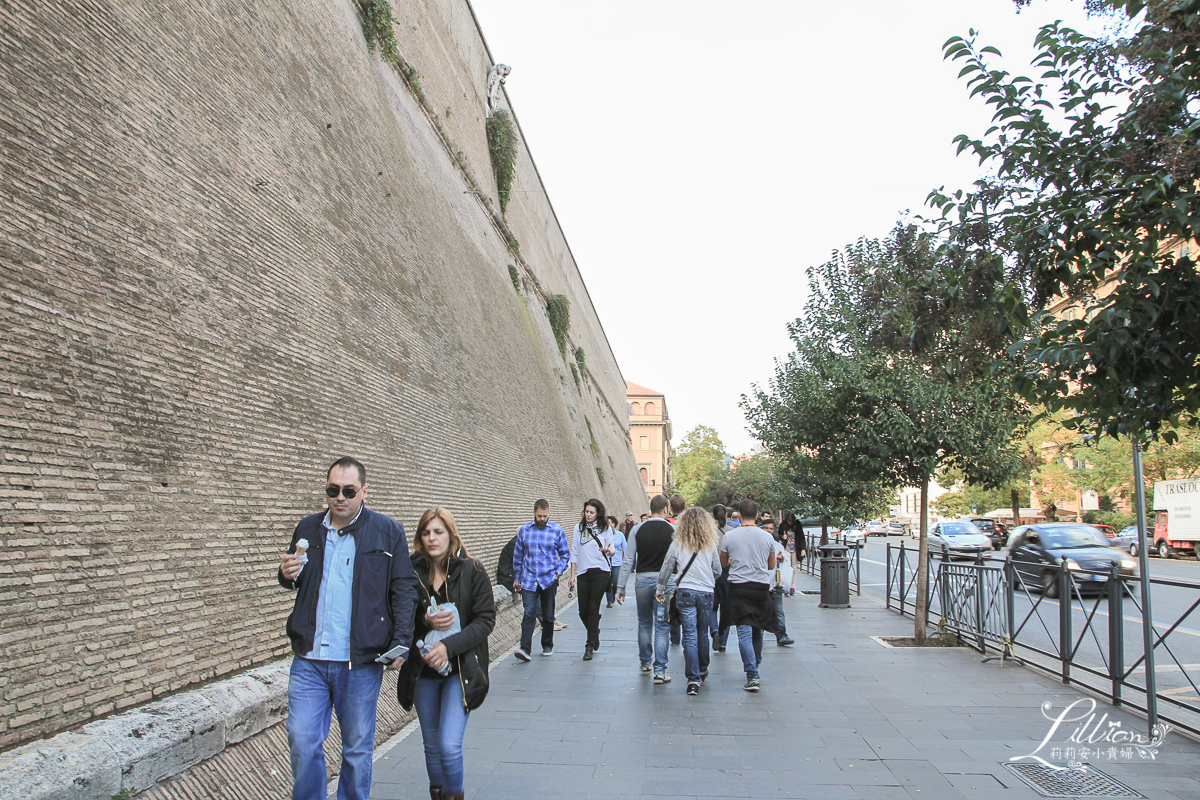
355,594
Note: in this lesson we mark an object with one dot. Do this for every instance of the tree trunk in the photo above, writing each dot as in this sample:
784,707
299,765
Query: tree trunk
824,532
921,614
1016,508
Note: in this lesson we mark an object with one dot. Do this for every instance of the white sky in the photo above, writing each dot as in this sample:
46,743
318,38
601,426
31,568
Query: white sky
700,156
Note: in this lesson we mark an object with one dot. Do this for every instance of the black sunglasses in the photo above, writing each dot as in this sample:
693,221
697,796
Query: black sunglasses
346,491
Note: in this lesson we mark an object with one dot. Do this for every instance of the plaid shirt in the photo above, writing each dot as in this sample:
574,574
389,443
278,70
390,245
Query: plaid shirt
540,555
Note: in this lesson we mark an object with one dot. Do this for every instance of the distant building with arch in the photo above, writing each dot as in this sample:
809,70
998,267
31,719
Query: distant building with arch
650,436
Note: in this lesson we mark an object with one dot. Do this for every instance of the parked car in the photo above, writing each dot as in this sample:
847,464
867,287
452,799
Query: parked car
990,529
959,539
1107,530
896,528
876,528
851,537
1038,549
1126,539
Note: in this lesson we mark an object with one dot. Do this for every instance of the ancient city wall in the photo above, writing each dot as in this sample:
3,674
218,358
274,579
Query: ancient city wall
234,245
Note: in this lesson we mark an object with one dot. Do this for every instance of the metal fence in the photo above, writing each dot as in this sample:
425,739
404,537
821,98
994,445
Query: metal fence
811,563
1051,623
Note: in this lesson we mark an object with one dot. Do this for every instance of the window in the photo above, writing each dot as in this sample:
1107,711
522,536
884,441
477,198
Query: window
643,443
650,409
637,408
645,475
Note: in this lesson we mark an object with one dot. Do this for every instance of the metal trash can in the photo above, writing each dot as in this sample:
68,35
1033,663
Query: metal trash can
835,576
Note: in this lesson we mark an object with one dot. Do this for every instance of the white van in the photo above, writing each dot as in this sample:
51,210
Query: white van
1175,522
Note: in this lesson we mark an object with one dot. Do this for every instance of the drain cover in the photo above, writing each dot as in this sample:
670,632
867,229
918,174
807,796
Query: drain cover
811,591
1082,781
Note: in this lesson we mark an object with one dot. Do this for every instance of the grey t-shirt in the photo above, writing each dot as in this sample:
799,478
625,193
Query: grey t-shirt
748,547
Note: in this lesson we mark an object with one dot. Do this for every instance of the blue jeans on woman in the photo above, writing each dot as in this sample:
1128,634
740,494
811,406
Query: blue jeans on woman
314,688
694,609
439,704
653,634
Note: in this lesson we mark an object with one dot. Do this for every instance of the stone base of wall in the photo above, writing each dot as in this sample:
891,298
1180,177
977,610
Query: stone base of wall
224,740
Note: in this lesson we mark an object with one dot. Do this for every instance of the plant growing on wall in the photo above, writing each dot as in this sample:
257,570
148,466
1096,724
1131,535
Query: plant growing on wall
515,277
377,28
592,435
575,375
502,145
600,475
580,361
558,309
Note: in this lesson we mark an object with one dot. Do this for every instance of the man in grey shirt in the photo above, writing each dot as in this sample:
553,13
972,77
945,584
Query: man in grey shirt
749,553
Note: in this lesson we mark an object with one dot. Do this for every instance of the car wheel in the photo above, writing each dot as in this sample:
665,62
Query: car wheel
1133,550
1164,549
1049,584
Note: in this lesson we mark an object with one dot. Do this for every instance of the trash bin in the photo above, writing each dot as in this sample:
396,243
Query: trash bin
835,576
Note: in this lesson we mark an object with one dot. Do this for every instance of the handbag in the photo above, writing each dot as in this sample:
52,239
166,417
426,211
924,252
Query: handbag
672,609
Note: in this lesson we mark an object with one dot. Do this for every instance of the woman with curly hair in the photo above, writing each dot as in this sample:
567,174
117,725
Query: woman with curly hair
693,554
449,679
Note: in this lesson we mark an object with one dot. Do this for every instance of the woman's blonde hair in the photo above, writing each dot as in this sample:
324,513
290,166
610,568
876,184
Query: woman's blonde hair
696,531
456,542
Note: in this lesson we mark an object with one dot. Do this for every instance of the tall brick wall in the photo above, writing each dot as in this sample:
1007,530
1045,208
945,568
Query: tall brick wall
233,247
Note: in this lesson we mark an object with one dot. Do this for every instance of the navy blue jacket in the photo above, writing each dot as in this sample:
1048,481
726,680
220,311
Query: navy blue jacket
384,593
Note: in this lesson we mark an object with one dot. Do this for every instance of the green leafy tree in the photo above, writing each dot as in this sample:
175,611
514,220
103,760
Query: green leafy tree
858,400
698,466
1094,199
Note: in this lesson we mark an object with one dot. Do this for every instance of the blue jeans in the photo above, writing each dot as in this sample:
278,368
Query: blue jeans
538,600
653,635
777,598
439,704
314,688
750,645
694,610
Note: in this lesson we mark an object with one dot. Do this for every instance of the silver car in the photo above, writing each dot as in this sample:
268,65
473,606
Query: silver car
959,540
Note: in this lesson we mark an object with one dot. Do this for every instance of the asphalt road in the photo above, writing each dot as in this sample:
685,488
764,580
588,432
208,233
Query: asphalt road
1175,610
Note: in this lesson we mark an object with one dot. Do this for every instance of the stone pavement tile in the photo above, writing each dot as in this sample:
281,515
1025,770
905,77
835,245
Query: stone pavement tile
881,793
848,746
910,772
560,774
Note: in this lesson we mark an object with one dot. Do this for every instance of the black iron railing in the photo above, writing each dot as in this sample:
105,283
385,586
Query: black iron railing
811,563
1042,616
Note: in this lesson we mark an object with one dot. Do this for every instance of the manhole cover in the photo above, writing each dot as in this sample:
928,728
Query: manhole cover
811,591
1081,781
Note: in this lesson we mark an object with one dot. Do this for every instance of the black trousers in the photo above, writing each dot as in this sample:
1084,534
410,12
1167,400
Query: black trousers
592,586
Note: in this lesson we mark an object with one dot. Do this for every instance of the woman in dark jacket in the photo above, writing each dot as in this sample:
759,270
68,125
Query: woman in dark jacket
444,701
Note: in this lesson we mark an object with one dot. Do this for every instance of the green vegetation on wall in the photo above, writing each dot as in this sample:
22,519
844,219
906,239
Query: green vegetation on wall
600,475
515,277
581,362
377,28
502,145
592,435
575,375
558,309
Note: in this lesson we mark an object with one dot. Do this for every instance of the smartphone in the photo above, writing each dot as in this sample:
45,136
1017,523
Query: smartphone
391,655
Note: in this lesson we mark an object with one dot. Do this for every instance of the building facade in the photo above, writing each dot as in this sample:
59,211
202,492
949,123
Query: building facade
650,436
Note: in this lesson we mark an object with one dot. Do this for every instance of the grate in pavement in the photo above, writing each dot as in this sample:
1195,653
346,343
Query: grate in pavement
1081,781
811,591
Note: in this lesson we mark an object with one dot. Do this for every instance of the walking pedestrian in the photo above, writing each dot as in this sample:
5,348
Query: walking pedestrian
692,554
795,545
719,635
591,551
781,637
355,591
539,557
644,554
448,680
617,560
749,553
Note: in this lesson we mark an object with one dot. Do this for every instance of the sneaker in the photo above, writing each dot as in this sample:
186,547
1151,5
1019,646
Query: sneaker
547,651
791,592
645,669
559,625
608,606
786,640
751,685
693,689
521,655
704,676
661,679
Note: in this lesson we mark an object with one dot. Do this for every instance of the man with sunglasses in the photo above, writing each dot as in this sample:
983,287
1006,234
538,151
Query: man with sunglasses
355,594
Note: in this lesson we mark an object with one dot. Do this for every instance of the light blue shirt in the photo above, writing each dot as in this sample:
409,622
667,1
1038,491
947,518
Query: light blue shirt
335,599
619,543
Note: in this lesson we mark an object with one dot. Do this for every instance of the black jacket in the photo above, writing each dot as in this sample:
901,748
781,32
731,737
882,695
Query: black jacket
385,588
470,589
505,576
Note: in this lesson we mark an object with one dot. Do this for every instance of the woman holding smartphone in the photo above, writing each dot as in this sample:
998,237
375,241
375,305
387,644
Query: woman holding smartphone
445,697
591,553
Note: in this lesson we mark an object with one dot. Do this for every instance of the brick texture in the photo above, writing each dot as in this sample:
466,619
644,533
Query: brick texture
232,249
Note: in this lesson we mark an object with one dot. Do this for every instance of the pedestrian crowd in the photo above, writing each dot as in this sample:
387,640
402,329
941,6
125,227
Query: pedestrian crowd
366,604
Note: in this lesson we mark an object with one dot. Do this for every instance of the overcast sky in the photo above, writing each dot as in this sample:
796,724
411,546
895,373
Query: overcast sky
700,156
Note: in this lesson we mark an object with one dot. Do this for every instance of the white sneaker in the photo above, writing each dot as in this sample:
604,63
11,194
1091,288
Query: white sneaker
547,651
521,655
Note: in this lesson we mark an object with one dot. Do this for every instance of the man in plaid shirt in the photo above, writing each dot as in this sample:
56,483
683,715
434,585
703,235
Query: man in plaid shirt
540,556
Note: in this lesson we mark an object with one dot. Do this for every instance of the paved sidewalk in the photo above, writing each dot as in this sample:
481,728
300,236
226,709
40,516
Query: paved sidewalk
839,716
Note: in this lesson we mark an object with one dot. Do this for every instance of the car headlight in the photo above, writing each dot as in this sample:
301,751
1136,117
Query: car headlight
1128,563
1073,564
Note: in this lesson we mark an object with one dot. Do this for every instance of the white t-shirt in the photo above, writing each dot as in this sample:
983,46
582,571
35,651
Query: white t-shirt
748,547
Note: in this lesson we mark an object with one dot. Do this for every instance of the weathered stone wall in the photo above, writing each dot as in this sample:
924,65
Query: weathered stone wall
234,247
